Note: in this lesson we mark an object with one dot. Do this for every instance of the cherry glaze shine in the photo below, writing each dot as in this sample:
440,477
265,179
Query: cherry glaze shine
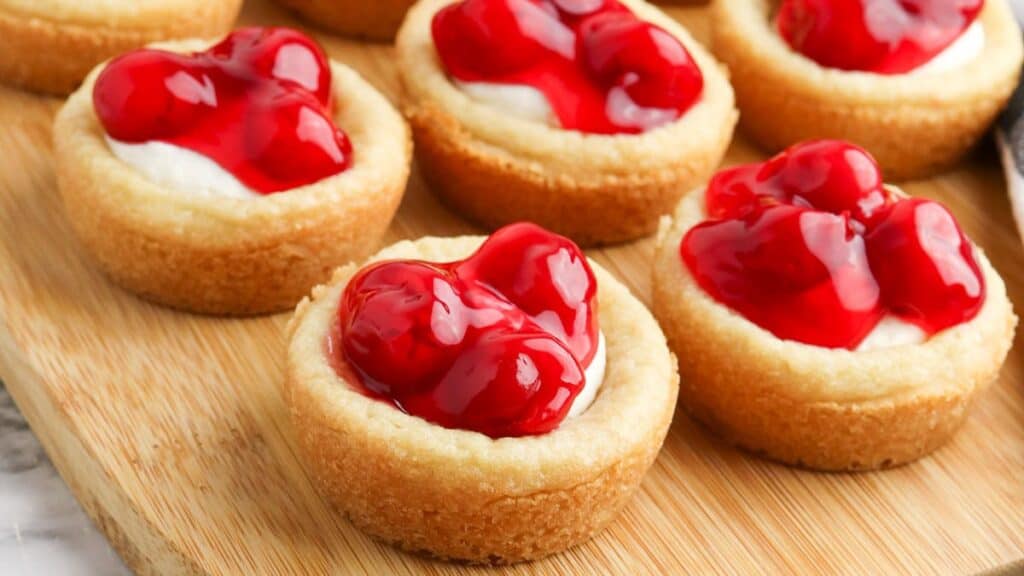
602,69
881,36
497,343
811,247
258,104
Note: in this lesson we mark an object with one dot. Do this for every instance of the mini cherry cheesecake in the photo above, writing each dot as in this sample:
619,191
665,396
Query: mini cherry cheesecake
50,45
230,178
376,20
823,318
487,400
916,82
587,117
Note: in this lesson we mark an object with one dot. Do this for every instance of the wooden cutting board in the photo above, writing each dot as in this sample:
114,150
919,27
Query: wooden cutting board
171,430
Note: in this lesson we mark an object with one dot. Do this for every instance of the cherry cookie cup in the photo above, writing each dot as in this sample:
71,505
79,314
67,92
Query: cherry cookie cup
475,409
50,46
376,20
231,180
589,118
824,319
917,99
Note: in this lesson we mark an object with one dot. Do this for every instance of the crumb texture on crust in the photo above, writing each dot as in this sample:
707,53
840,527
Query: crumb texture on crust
819,407
914,124
496,168
462,495
375,20
230,255
50,45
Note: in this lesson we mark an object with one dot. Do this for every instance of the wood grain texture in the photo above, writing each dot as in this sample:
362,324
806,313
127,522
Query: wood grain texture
172,432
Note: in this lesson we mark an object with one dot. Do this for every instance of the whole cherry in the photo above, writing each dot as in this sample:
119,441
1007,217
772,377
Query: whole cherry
151,94
499,36
925,265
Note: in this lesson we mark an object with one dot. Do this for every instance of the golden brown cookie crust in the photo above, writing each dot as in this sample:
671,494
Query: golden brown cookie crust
230,255
913,124
373,20
496,169
51,51
459,494
818,407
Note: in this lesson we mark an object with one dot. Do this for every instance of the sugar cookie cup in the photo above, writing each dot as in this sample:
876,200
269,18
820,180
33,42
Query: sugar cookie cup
50,46
376,20
913,124
462,495
495,168
227,255
821,408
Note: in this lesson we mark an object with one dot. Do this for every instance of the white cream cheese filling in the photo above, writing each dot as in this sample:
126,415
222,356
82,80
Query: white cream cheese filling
180,169
528,103
890,333
593,378
961,52
517,100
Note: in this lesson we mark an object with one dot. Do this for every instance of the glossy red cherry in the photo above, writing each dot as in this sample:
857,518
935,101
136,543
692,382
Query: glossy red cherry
602,70
280,53
829,175
484,37
507,384
403,324
811,247
257,103
796,271
648,62
294,142
881,36
925,265
478,344
834,176
397,353
551,282
164,93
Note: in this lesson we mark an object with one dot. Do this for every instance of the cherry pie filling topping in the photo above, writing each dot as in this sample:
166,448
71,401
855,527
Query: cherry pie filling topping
497,343
811,246
601,69
258,104
880,36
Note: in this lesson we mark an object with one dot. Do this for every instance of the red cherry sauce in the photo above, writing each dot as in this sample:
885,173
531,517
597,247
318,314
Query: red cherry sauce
602,69
880,36
811,247
497,343
258,104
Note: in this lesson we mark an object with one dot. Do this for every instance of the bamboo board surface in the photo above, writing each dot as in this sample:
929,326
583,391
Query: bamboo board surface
171,429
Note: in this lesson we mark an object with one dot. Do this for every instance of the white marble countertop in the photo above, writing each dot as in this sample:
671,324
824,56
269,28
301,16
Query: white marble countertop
43,530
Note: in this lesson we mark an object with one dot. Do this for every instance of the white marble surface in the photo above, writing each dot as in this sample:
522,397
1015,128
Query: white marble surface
43,530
